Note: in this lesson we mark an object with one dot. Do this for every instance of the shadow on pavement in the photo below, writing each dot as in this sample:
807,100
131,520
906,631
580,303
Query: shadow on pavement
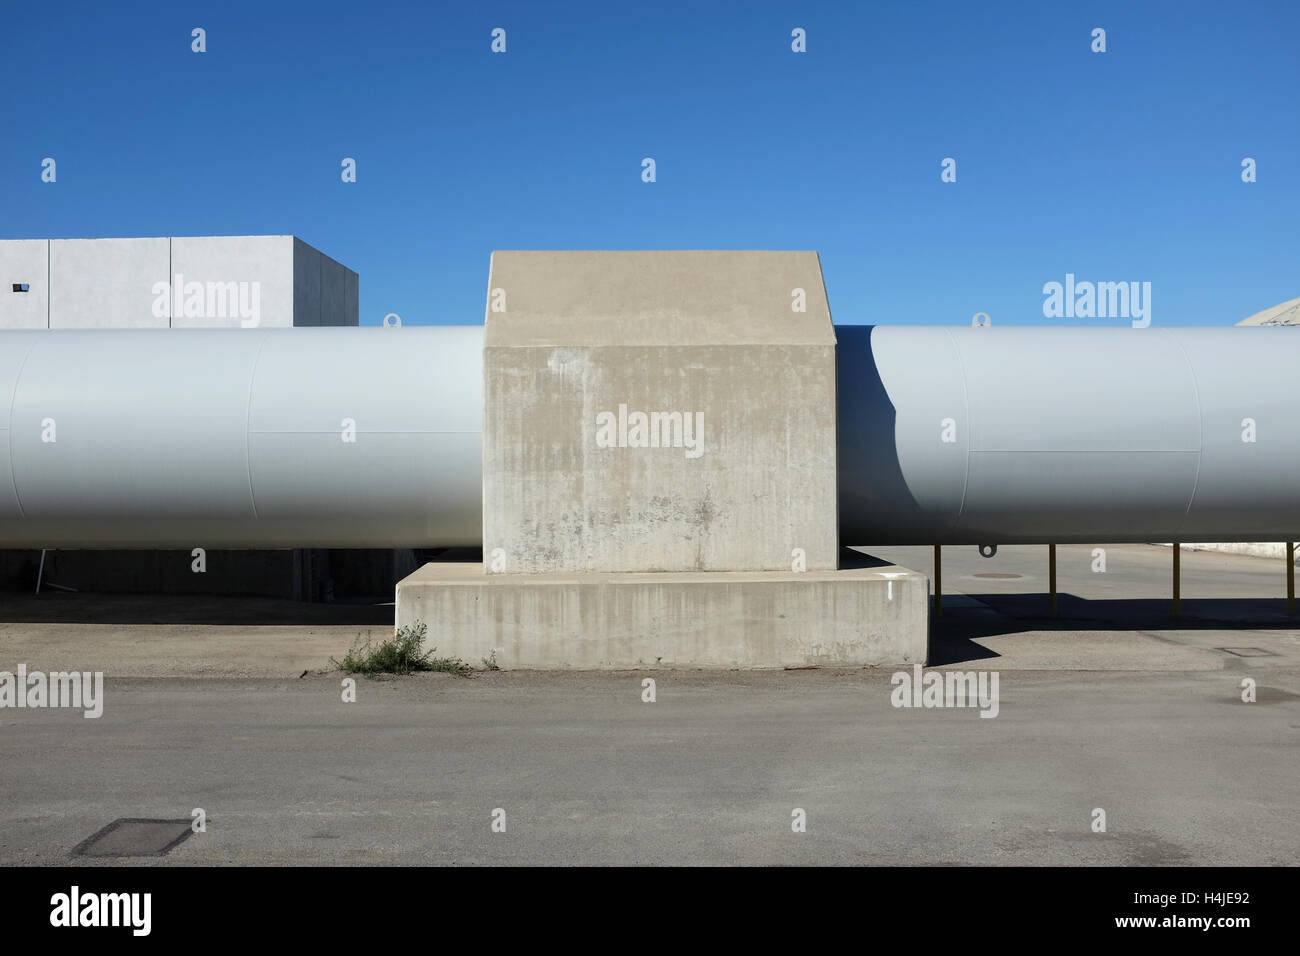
953,636
62,607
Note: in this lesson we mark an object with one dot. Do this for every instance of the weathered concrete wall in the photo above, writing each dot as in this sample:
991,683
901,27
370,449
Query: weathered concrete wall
658,411
689,619
659,483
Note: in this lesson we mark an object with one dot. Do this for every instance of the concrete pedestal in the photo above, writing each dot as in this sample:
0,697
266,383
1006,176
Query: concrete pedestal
717,619
659,475
658,411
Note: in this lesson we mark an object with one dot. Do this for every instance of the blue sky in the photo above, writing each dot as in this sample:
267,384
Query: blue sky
1121,166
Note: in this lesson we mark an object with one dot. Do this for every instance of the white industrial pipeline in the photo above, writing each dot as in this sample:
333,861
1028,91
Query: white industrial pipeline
372,437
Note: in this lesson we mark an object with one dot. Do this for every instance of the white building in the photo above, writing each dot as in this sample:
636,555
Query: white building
181,282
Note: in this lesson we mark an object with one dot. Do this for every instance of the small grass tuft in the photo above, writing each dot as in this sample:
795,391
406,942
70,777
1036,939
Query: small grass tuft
400,654
490,662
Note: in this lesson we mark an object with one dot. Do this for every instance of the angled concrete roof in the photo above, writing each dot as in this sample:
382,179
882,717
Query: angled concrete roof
1288,313
712,297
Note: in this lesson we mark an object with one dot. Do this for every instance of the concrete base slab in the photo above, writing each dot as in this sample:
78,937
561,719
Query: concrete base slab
733,619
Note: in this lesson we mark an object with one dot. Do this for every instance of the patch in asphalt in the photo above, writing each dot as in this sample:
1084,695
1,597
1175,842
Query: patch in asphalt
132,836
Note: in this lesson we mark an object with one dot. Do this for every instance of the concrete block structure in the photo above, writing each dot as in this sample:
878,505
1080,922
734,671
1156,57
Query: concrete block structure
659,411
716,619
659,475
180,282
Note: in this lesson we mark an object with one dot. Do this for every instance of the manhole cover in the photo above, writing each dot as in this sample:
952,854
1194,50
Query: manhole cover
1246,651
998,574
135,837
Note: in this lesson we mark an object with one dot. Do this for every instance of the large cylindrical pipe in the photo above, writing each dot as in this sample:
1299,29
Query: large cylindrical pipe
1041,435
269,438
234,438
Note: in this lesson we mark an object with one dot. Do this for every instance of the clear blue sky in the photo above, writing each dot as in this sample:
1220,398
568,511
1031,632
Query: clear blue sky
1116,166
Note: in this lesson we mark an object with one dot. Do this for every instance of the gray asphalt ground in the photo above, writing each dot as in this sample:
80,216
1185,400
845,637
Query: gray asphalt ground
1114,705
